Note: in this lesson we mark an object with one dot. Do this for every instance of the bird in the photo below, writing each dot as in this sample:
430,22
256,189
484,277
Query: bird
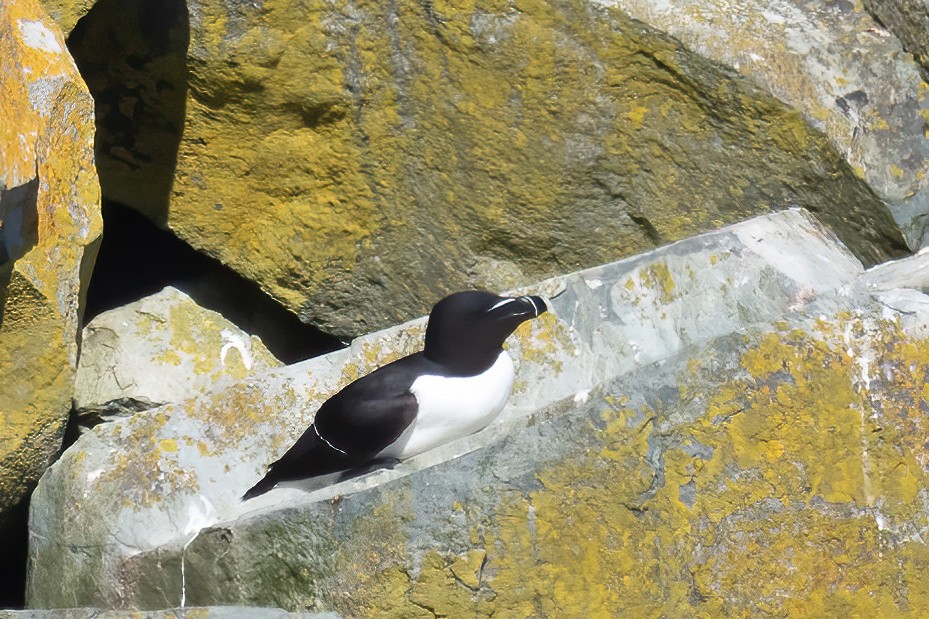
455,386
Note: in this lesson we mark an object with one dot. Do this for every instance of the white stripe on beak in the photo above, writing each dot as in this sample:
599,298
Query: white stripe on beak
535,307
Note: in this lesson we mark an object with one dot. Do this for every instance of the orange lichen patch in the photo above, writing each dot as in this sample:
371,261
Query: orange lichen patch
230,416
46,154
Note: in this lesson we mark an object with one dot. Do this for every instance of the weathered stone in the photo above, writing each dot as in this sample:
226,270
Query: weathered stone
67,12
776,472
359,160
49,222
909,21
912,272
738,385
163,348
829,60
194,612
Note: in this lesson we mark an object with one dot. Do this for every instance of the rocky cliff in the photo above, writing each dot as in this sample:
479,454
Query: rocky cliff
49,224
730,425
724,415
358,160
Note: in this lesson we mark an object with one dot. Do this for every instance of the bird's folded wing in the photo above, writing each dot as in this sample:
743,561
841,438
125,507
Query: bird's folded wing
363,426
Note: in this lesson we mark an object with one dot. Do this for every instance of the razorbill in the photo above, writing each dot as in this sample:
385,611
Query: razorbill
454,387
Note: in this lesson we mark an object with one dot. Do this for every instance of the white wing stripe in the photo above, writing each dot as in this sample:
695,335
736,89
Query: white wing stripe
323,439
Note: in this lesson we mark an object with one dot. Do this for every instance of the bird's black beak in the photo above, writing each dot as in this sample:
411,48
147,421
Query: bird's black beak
520,309
540,305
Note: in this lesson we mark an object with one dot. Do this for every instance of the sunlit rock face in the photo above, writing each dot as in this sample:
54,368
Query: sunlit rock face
49,224
841,67
359,160
713,426
163,348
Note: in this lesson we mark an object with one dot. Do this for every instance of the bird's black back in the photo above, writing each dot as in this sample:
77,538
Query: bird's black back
464,337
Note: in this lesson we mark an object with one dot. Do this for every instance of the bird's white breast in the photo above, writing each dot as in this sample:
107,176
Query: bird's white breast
453,407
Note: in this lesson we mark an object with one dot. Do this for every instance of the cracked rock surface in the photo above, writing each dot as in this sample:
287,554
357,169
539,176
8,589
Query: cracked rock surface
441,146
163,348
732,424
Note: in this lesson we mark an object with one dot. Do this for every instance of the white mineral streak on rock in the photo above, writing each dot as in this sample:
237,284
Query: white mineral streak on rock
37,35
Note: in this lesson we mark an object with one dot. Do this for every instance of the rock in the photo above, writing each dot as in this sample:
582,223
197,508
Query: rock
67,12
688,426
216,612
767,473
359,162
908,20
912,272
49,226
163,348
834,64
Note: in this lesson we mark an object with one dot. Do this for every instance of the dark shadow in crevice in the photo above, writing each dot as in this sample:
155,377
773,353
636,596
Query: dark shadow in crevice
6,276
14,536
137,258
133,56
14,550
19,232
19,220
19,229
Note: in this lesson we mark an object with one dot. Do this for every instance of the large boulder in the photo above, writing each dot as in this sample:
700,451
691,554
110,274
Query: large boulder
732,424
832,62
359,161
163,348
49,224
909,21
67,12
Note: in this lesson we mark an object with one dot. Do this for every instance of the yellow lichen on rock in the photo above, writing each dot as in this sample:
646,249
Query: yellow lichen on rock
795,487
50,212
67,12
360,160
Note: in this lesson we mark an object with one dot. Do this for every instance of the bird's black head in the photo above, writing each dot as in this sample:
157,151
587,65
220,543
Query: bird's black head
467,329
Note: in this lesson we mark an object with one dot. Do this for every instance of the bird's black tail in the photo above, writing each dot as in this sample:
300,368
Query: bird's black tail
264,484
309,457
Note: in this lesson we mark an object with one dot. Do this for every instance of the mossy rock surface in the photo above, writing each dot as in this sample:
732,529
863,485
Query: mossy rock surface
358,160
49,226
732,424
839,66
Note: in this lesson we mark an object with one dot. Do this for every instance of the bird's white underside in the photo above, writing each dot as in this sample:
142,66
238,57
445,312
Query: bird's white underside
453,407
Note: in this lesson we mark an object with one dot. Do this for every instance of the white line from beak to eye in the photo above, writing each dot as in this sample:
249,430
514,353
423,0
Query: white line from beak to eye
501,304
